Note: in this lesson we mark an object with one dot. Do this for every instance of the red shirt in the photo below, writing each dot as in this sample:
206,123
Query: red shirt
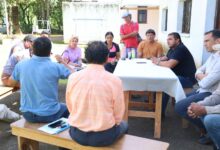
127,29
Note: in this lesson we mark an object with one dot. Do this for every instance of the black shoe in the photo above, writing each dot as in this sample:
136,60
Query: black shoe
205,140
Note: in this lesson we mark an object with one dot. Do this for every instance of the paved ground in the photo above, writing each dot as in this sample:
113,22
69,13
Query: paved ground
179,139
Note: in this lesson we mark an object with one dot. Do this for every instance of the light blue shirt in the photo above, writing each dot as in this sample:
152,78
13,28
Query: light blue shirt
39,78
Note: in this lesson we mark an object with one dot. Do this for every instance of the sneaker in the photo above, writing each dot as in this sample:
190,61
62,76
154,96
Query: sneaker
8,115
205,140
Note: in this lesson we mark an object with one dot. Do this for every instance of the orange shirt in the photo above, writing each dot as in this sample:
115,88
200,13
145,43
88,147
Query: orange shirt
94,99
149,50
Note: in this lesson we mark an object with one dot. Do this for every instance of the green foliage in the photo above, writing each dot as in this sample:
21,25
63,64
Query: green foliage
38,9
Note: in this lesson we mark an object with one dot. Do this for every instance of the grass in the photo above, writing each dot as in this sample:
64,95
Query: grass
63,81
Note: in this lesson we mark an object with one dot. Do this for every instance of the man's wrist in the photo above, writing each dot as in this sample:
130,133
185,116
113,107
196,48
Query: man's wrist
158,62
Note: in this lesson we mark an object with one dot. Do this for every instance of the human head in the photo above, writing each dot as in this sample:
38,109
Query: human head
126,16
150,35
42,47
28,41
96,53
73,42
44,34
173,39
109,37
211,38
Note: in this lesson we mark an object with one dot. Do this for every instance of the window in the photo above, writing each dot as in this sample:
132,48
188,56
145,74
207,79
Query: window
186,20
164,19
142,14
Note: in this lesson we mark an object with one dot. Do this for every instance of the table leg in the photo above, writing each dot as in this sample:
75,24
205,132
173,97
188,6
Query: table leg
126,97
27,144
157,126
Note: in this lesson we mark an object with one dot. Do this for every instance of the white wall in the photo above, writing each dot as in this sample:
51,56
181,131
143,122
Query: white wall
90,20
202,20
152,21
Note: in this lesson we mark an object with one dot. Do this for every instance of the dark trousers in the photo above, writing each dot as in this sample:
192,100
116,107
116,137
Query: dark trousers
185,82
110,67
181,107
63,112
101,138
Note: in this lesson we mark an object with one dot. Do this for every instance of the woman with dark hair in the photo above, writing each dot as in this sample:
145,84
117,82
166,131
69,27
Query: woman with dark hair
114,52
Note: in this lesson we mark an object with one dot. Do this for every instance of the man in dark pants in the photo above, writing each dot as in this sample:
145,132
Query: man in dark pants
180,60
208,76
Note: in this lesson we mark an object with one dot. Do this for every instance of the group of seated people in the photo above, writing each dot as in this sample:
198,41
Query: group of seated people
94,97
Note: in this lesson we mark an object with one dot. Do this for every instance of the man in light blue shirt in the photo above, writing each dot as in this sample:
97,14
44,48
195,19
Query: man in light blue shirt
39,78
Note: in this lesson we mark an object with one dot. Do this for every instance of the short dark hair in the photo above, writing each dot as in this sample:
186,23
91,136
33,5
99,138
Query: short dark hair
96,52
109,33
176,35
215,33
150,31
42,47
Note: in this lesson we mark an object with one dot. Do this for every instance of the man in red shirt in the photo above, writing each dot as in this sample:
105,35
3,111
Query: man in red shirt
129,33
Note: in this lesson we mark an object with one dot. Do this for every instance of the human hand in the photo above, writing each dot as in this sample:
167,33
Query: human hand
155,60
200,76
59,58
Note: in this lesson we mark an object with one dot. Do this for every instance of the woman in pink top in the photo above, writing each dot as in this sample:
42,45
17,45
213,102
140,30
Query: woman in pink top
114,52
72,55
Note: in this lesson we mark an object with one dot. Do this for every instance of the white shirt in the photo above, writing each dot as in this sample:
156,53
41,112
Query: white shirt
212,68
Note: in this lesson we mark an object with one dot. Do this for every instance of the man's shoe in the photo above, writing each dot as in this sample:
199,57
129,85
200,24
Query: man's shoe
205,140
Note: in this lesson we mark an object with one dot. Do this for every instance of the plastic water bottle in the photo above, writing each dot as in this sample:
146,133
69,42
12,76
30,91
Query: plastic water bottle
129,54
133,53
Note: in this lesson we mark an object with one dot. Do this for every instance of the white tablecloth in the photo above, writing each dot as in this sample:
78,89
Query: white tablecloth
139,76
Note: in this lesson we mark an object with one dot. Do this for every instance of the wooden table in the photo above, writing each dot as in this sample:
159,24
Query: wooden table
142,75
154,114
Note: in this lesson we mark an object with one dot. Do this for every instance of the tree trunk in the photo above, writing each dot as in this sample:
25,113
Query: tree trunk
15,20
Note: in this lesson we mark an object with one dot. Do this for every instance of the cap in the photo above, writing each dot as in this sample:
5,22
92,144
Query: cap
29,37
45,32
125,14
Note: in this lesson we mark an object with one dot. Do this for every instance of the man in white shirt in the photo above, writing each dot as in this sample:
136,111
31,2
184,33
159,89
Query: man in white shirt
208,76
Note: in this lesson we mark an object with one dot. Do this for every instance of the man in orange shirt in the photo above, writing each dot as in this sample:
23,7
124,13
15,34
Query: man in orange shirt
95,100
150,48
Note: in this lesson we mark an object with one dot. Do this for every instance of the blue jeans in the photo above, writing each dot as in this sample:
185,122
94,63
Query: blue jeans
129,49
182,106
63,112
185,82
212,125
97,139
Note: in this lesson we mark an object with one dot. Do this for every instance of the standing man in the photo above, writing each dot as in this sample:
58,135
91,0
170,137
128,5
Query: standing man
129,35
181,61
150,48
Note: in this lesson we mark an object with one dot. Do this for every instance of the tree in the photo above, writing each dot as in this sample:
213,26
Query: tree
22,13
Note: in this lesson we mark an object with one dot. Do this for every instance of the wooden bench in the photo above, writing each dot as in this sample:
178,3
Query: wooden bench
29,137
5,91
